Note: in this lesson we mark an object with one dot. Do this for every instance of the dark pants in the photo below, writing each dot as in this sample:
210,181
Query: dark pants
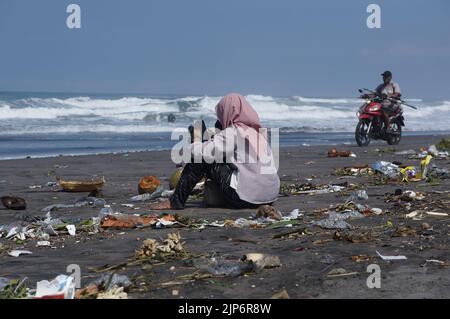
219,173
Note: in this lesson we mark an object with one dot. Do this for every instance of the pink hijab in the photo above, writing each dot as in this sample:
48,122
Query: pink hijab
234,110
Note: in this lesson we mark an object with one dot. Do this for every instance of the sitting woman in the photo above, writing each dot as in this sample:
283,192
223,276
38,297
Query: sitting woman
246,175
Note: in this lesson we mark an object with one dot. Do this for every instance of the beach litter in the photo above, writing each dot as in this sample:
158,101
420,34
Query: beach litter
391,258
437,214
340,272
113,293
356,170
262,261
151,248
404,231
439,152
158,193
360,258
71,229
62,287
337,220
108,281
357,196
17,253
109,219
436,172
311,189
352,236
219,266
261,221
108,286
43,243
283,294
406,196
268,211
148,184
77,186
13,289
388,169
14,202
251,262
82,202
335,153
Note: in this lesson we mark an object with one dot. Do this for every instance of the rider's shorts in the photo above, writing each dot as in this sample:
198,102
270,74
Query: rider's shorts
389,107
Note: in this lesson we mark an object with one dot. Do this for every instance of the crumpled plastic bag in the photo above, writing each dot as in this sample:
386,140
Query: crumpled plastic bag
337,220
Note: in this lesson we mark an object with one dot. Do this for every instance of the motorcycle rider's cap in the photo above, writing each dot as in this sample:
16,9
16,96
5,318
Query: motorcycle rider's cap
387,73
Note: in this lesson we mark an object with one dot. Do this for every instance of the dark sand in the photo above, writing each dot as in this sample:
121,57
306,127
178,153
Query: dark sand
304,270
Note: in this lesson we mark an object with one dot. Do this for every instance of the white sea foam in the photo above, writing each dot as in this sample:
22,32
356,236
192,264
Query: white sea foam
149,114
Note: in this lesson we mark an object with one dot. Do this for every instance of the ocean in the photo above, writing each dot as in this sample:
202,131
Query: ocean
52,124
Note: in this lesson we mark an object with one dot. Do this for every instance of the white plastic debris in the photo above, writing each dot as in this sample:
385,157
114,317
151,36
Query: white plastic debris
43,243
71,229
433,150
389,258
377,211
147,196
357,195
292,215
62,287
436,214
17,253
337,220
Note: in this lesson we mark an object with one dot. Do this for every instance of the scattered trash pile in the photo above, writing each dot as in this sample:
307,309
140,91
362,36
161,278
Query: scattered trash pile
337,220
114,220
44,228
265,217
37,228
351,209
441,151
108,286
82,202
427,172
335,153
418,205
151,248
251,262
311,189
356,170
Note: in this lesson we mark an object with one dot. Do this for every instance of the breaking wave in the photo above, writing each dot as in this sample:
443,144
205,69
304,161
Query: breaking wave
123,115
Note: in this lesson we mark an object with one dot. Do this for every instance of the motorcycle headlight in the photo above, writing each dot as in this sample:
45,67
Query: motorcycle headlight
374,108
358,114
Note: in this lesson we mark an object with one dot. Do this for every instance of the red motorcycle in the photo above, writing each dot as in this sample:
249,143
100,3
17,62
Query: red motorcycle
371,124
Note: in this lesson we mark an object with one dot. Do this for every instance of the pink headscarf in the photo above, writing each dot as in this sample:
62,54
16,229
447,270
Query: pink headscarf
234,110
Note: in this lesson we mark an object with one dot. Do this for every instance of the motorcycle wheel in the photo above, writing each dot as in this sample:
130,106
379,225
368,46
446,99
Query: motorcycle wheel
394,139
361,135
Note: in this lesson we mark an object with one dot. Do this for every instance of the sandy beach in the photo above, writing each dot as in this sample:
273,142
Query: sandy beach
307,256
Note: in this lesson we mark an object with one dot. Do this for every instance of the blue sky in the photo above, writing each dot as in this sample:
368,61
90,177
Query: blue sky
277,47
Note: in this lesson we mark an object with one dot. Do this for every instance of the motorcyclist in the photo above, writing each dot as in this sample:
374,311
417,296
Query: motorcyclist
389,91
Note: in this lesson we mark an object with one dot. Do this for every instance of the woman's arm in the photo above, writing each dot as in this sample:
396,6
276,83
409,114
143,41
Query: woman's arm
217,149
